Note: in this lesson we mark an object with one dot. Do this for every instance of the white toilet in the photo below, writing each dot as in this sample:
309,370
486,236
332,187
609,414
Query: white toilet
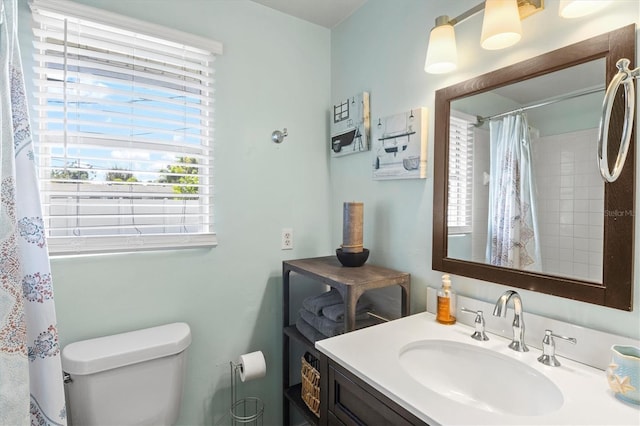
133,378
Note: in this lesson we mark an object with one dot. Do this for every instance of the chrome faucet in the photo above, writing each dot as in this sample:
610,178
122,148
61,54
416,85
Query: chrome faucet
500,310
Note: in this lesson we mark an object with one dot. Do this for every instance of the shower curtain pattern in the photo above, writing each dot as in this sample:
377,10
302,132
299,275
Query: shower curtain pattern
512,235
31,389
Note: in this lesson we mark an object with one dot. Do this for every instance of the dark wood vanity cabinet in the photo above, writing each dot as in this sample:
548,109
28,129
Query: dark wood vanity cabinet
347,400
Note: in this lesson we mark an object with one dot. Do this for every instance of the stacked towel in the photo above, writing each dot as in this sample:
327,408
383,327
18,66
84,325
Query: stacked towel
308,331
336,312
315,304
322,316
323,324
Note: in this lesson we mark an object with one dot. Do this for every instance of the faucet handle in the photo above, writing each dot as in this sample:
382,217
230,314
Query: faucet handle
548,356
479,334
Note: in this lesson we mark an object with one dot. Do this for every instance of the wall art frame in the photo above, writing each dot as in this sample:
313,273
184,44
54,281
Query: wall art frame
350,125
399,145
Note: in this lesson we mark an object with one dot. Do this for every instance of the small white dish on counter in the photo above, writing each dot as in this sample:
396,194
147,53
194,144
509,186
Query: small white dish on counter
400,359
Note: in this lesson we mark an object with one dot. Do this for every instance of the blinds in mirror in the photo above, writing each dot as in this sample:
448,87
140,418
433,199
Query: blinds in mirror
460,188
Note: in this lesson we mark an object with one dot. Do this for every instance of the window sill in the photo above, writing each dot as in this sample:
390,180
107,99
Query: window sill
65,246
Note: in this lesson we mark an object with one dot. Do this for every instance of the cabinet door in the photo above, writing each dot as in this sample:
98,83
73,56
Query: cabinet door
332,420
353,405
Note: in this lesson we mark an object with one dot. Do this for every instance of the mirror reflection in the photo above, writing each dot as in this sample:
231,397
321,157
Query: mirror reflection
524,190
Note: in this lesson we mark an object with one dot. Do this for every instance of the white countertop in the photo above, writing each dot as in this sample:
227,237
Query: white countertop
372,354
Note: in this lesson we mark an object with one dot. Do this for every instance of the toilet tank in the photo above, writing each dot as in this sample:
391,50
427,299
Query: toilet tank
133,378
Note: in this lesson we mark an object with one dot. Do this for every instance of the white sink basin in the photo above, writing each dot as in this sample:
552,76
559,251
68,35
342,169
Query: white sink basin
480,378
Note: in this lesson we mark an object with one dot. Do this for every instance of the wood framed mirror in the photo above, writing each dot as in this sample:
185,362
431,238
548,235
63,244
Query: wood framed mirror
599,267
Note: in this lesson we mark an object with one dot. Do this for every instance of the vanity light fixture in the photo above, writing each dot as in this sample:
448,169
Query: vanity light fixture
579,8
500,28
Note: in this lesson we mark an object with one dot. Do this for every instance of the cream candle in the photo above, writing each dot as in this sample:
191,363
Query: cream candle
352,219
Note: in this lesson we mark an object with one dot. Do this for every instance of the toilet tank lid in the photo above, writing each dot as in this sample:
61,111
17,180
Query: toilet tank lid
109,352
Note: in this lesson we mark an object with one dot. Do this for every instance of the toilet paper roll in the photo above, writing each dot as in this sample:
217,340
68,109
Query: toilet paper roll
252,366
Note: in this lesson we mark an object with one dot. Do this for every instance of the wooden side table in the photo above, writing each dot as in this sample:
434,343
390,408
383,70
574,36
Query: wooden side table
351,283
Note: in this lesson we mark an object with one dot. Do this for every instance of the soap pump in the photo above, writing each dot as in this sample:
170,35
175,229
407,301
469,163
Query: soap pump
446,303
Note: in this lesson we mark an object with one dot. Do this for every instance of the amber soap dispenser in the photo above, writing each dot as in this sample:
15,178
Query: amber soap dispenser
446,303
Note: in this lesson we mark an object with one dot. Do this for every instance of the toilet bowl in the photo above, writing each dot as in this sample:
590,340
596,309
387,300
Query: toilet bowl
133,378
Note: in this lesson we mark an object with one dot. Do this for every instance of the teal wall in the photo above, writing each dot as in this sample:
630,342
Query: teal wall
277,72
274,73
381,49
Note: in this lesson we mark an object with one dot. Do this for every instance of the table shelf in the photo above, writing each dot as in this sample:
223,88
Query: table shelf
351,283
293,394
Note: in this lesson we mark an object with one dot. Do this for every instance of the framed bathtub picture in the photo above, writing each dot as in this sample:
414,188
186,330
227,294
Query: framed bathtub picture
399,145
350,129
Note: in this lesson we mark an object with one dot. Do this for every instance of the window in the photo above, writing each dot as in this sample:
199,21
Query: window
460,173
124,113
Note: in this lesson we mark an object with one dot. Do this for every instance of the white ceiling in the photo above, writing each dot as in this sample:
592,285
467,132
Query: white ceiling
327,13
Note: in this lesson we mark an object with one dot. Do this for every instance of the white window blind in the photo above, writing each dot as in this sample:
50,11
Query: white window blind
124,113
460,174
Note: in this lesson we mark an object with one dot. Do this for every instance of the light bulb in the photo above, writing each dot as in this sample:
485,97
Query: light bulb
442,55
501,24
578,8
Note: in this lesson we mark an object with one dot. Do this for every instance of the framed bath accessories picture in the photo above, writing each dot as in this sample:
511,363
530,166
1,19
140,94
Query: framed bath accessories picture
350,129
399,145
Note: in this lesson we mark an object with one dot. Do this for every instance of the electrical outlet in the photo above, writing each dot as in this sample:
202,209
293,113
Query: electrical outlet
287,239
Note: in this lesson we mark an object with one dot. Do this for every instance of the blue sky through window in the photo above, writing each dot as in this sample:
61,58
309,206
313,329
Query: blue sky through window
160,116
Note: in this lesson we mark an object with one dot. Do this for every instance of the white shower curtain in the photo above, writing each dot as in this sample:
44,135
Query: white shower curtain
31,389
512,239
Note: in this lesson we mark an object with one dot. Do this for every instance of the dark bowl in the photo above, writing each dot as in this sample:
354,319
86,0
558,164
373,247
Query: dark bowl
352,259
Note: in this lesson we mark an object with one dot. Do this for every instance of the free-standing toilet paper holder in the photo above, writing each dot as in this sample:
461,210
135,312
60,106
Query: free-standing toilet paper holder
246,411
